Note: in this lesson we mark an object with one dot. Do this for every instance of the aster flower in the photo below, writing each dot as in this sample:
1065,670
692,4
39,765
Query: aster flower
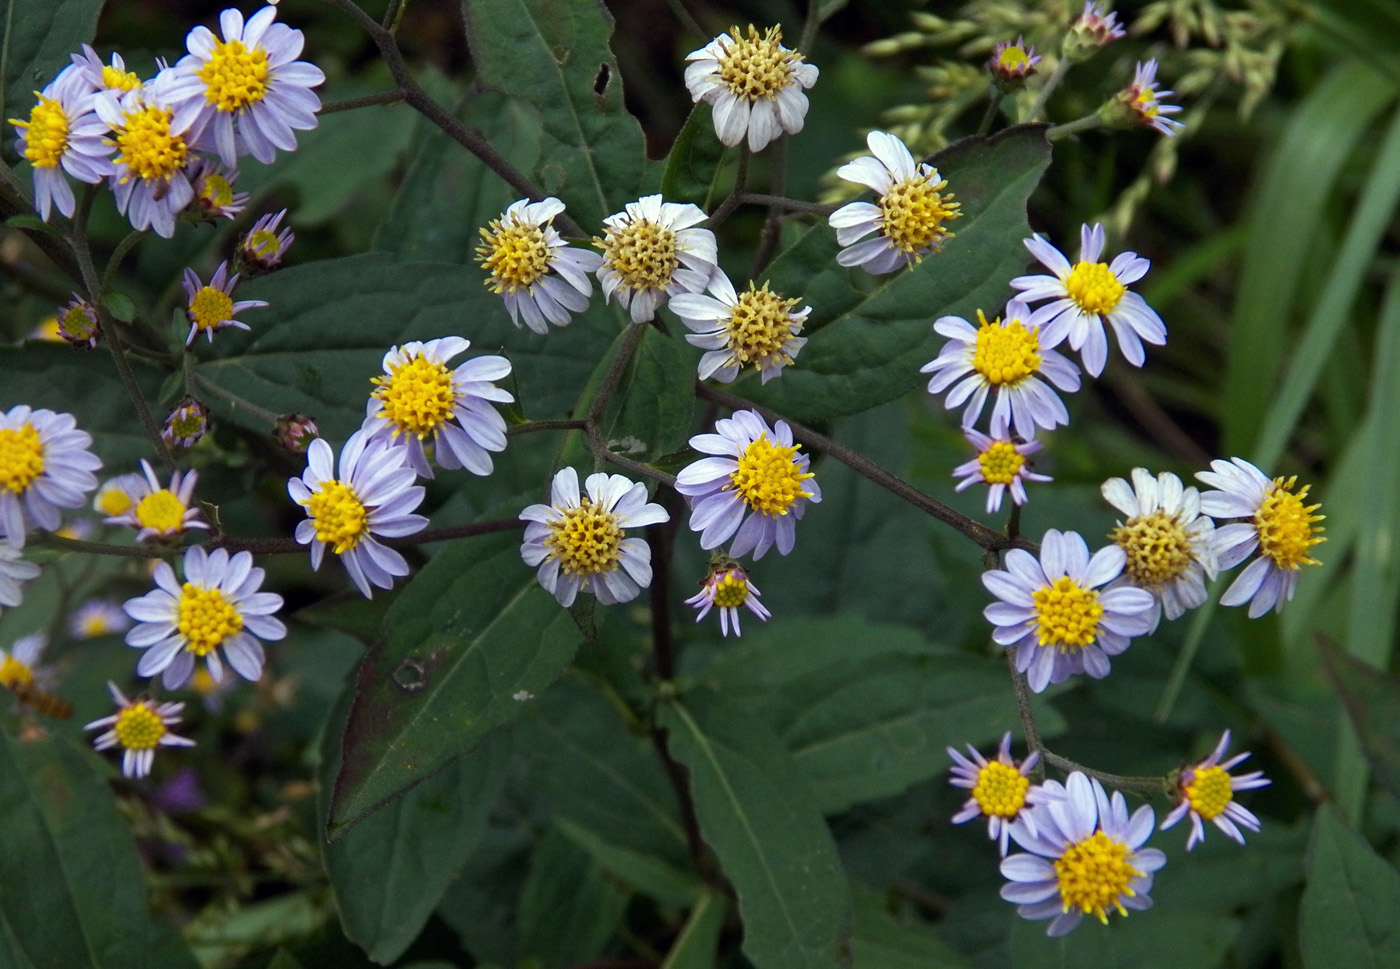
45,466
909,217
13,571
1084,856
119,495
78,323
756,327
532,269
1207,793
213,190
1000,463
150,172
577,540
158,512
1280,525
1011,62
1009,355
262,249
138,727
756,471
246,94
1088,294
97,76
1168,542
98,617
1093,29
374,497
187,423
1001,791
1139,104
1051,613
63,134
754,84
218,607
651,251
211,307
727,586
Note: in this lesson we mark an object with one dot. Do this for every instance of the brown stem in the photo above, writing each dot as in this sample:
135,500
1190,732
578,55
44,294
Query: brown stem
1146,785
1023,707
736,194
783,202
350,104
773,224
680,783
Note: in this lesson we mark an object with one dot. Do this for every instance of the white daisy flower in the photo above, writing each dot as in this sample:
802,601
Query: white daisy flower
418,397
754,84
373,497
727,586
1085,857
63,134
1143,100
1280,525
1009,355
211,308
909,218
652,252
117,495
1001,791
537,274
577,540
13,571
139,727
756,471
45,466
1001,464
158,512
756,327
1051,613
98,617
1085,295
218,606
150,176
20,670
1207,793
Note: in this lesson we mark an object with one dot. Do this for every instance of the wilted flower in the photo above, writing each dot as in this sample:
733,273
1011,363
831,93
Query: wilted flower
187,423
1207,793
727,587
534,271
211,307
754,84
756,327
651,251
139,727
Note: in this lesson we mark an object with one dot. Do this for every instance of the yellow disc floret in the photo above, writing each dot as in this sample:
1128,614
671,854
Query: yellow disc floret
759,326
210,308
1013,59
1287,528
756,66
216,192
147,148
47,133
642,253
418,396
1000,790
1067,614
206,618
115,80
731,590
1209,791
1006,354
338,514
1157,547
161,510
586,540
1094,876
21,457
768,478
913,211
1001,463
1094,287
15,675
235,77
515,255
139,727
113,501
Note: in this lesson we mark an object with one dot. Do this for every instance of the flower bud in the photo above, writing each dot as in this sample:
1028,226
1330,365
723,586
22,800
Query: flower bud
186,424
295,432
78,323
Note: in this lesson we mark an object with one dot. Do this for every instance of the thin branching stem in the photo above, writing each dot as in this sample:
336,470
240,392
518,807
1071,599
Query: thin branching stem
369,100
1051,82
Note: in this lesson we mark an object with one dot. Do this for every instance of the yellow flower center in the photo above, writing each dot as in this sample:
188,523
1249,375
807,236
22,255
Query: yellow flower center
147,148
139,727
77,324
516,255
235,77
21,457
1001,790
206,618
1006,354
1000,463
210,307
1157,546
113,501
759,326
96,624
586,540
1209,792
203,682
1094,287
912,213
263,243
47,133
1094,876
15,675
731,591
642,253
187,422
161,510
1145,103
338,514
418,396
756,66
1011,59
1287,528
769,478
1067,614
115,80
216,192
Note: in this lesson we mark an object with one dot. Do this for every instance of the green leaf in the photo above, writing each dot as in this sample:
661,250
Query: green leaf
467,641
755,811
482,905
696,947
882,941
569,909
120,306
866,348
38,37
1143,940
284,960
1348,910
1372,701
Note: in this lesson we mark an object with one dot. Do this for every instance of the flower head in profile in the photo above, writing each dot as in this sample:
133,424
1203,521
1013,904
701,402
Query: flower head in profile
151,169
754,488
1001,465
63,134
651,252
1280,525
757,328
98,617
578,543
187,423
373,498
753,83
139,726
45,467
1086,295
727,587
213,190
1007,355
1001,790
160,512
1084,856
1012,62
1140,105
1207,793
1093,29
909,218
1053,614
78,323
538,275
13,570
261,250
211,307
97,76
218,608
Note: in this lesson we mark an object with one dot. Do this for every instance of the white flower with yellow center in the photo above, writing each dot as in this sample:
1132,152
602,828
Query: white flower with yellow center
1001,464
98,617
211,307
217,607
578,542
98,76
727,587
538,275
1207,793
652,252
756,471
13,571
1085,295
1007,355
1169,544
374,497
1001,791
246,94
1281,525
151,169
20,671
757,328
909,218
119,495
1053,615
1084,856
419,400
754,84
160,512
1143,101
139,727
63,134
45,466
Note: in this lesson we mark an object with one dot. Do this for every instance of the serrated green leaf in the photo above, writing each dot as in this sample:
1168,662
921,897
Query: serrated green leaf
38,38
1348,911
696,947
569,909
